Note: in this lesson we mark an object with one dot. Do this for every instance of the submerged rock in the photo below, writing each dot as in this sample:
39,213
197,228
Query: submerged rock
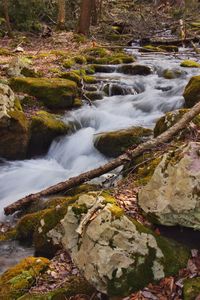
44,128
17,280
134,70
172,73
13,126
53,92
114,143
116,254
192,92
172,195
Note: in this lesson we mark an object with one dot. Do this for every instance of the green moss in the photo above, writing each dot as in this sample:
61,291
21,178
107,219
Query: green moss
192,92
80,59
145,172
191,288
5,52
18,279
74,285
190,64
71,76
114,143
89,79
44,128
96,52
116,211
8,235
79,209
68,63
171,74
78,103
60,53
53,92
150,48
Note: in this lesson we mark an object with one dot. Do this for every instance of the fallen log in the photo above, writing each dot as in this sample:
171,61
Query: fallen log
128,156
166,42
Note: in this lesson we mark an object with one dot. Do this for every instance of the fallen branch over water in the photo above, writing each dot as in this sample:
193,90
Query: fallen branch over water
128,156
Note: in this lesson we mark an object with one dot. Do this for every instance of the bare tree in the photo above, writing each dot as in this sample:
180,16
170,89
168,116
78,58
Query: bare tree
61,14
85,17
6,15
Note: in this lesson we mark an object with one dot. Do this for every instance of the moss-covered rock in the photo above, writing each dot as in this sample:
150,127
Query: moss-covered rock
171,196
68,63
53,92
191,288
93,95
17,280
80,59
122,255
134,70
190,64
170,118
89,79
172,73
71,76
115,143
74,285
192,92
13,126
160,48
44,128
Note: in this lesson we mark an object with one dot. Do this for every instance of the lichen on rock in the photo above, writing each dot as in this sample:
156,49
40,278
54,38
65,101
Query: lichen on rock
172,194
116,254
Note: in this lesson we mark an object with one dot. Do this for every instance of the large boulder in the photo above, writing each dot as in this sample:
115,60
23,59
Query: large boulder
13,126
114,143
55,93
44,128
171,118
134,70
116,254
192,92
171,197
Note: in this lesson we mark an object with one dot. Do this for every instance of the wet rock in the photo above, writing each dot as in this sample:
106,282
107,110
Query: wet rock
114,143
134,70
190,64
172,195
192,92
18,279
160,48
93,95
104,68
122,255
114,89
13,126
172,74
170,118
55,93
44,128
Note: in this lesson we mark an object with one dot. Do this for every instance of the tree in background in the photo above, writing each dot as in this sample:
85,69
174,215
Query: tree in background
85,16
7,19
61,14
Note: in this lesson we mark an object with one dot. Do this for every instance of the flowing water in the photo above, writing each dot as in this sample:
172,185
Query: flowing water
74,154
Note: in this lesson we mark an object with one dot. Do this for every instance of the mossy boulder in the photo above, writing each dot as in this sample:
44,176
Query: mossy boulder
74,285
114,143
135,70
71,76
44,128
171,197
171,118
55,93
191,288
172,73
17,280
13,126
93,95
190,64
192,92
68,63
123,256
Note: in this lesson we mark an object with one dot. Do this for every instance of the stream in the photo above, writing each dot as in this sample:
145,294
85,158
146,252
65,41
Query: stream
74,154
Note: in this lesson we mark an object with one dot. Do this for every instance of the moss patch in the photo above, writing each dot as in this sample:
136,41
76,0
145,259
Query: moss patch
17,280
191,288
190,64
53,92
192,92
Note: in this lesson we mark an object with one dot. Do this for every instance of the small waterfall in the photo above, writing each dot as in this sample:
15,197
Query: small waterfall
74,154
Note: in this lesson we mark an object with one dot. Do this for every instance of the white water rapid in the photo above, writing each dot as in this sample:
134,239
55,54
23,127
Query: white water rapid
74,154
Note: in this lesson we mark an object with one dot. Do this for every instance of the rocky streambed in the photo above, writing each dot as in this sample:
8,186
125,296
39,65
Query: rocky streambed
116,108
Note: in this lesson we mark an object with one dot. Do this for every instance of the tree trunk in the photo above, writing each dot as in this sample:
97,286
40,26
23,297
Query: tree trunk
6,15
111,165
85,17
61,15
